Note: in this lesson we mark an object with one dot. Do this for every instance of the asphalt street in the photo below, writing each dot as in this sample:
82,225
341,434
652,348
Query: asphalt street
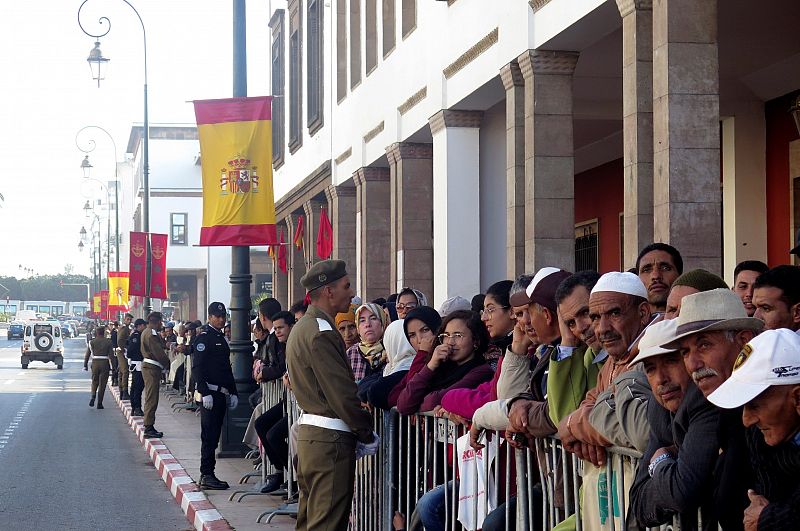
66,466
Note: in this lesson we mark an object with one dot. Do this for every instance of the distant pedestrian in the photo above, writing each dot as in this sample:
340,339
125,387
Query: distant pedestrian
100,350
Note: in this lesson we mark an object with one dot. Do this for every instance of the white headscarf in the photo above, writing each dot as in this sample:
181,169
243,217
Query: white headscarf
399,350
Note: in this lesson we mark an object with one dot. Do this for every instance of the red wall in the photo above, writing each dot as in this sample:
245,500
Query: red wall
780,131
599,194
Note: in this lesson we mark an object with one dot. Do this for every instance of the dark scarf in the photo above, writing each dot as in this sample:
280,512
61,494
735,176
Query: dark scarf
449,372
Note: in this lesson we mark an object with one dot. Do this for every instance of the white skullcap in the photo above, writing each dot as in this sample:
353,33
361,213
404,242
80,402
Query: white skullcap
617,282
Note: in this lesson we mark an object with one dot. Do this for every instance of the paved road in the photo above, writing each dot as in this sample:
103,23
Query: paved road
66,466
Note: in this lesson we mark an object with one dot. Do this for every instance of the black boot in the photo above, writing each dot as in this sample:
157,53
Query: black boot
272,483
91,402
210,481
150,432
100,405
137,412
124,395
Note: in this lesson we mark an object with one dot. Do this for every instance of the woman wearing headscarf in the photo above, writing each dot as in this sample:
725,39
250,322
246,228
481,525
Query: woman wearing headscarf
408,299
457,362
368,356
420,327
400,354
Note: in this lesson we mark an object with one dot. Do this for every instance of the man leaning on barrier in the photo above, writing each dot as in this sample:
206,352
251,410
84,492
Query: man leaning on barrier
333,422
766,383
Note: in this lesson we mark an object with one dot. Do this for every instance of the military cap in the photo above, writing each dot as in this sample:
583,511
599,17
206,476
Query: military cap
191,326
217,309
323,273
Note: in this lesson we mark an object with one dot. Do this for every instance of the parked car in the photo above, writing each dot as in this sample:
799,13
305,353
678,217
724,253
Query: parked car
16,331
67,330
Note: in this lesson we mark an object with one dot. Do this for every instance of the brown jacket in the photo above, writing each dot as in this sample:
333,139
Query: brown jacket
153,347
122,336
99,346
321,377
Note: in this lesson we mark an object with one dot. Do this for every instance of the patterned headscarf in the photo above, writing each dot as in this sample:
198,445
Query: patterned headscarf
373,352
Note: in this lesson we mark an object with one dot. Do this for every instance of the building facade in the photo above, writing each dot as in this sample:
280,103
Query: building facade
457,143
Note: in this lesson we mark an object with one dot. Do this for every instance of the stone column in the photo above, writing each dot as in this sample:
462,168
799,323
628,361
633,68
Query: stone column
637,125
342,213
294,261
411,184
515,168
312,208
372,232
549,162
456,196
280,280
686,180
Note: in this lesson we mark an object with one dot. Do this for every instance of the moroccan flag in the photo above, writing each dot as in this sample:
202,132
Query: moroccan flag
104,304
96,305
324,236
236,154
117,291
158,271
298,233
138,264
282,254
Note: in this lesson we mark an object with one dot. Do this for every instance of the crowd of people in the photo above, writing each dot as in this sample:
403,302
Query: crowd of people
702,379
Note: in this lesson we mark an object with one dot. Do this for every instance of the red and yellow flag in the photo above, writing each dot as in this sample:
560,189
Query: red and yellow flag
118,282
236,153
96,305
298,233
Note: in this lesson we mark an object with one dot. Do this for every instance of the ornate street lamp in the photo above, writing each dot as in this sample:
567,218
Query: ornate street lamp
101,63
86,166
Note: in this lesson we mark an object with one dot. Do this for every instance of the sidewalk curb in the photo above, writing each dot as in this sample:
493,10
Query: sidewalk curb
195,504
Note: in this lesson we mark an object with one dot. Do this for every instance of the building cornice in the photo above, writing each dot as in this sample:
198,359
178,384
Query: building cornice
472,53
313,185
547,62
453,118
413,100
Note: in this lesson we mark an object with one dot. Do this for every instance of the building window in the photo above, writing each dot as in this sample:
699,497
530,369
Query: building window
315,65
586,246
355,43
409,16
278,82
341,50
371,45
177,228
295,81
388,27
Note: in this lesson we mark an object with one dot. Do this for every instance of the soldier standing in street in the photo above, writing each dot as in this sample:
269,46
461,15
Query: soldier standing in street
155,363
333,422
122,338
101,351
134,351
213,377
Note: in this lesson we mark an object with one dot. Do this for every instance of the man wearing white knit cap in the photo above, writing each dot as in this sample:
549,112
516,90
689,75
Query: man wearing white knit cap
619,312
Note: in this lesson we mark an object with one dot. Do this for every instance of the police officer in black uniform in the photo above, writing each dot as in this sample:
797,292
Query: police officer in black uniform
216,389
135,359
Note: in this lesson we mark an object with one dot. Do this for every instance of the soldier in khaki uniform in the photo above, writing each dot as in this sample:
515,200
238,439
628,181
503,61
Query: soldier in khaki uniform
155,363
333,422
101,350
122,338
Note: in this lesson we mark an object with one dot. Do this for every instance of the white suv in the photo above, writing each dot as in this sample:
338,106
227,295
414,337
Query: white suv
42,342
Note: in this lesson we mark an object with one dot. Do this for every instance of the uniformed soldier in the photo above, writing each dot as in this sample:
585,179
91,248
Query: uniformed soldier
134,353
101,350
122,339
213,378
155,363
333,421
111,328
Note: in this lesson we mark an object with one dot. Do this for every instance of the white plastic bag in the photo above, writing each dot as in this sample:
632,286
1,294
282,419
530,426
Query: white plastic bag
473,505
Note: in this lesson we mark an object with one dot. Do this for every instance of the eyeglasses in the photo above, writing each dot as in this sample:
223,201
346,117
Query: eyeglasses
490,310
458,336
402,306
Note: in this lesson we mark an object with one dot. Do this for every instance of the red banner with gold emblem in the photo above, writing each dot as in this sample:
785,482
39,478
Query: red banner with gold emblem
158,271
138,264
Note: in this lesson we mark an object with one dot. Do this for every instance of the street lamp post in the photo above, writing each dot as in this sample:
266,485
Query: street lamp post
99,64
86,166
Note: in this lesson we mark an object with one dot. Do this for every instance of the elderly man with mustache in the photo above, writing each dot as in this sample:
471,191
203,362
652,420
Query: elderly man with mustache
677,466
712,329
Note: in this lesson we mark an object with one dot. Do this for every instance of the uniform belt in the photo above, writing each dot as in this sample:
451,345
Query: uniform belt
137,365
214,387
324,422
99,357
154,362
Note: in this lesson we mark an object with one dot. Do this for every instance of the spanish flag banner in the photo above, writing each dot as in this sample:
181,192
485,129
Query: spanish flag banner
236,154
118,291
96,305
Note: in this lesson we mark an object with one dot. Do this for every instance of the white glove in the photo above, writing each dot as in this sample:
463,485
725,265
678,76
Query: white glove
208,401
233,401
363,449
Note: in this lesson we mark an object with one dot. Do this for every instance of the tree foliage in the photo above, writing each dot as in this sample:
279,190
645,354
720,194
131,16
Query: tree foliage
44,287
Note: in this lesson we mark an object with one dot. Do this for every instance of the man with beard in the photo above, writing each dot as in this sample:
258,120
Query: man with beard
744,279
658,265
776,296
675,471
712,329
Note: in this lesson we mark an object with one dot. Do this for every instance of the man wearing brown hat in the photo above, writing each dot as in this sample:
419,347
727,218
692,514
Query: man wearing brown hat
712,329
333,423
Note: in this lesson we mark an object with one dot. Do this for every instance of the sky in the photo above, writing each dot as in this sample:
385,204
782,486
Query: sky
47,95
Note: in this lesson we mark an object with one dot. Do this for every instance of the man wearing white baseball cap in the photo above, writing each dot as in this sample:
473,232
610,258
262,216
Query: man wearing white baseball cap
678,464
766,383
